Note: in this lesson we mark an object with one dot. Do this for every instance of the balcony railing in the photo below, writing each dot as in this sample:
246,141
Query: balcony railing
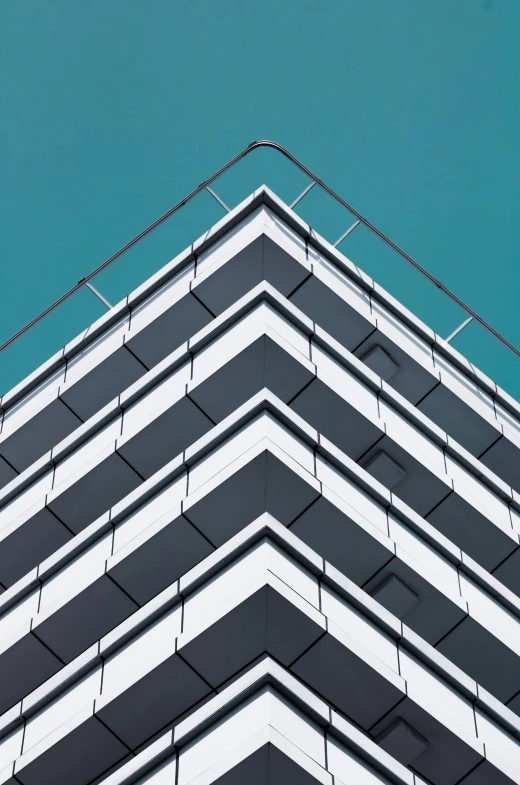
322,208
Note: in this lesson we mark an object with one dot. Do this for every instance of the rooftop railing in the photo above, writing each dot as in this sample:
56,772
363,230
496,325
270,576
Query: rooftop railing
323,209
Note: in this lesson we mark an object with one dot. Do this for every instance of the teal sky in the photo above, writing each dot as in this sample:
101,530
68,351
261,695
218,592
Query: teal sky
112,110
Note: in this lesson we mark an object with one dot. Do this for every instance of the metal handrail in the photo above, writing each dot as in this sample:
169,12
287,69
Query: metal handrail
205,185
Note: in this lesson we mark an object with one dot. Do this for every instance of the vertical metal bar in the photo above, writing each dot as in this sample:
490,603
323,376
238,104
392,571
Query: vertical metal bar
98,295
459,329
218,199
303,193
346,234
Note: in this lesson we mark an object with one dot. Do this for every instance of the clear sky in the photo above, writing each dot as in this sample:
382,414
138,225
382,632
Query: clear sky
112,110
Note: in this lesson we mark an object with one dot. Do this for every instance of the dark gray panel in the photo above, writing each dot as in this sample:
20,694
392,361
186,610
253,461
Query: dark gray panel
403,742
233,384
29,544
286,494
230,643
284,376
332,313
347,681
158,562
231,505
254,770
508,572
288,630
165,437
395,595
236,277
85,619
341,541
267,766
261,260
432,616
458,419
152,702
503,458
79,757
419,488
336,419
284,771
514,704
166,333
23,667
483,657
39,434
380,361
265,622
7,473
280,269
103,383
263,485
446,759
384,468
411,380
486,774
95,492
475,534
263,364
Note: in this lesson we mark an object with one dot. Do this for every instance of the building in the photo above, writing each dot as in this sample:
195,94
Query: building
259,524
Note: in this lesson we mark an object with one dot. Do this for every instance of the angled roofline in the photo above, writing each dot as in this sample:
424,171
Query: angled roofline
261,196
205,185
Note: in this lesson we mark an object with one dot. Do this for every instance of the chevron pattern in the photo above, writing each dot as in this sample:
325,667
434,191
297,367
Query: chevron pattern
260,525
